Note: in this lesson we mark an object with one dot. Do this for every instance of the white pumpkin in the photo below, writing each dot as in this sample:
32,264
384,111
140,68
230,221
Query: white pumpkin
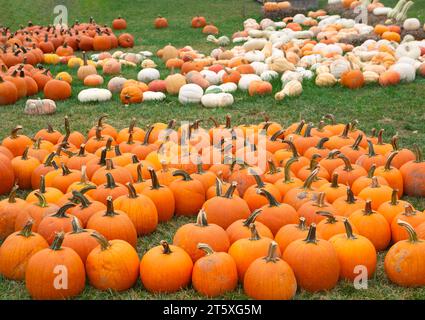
381,11
148,63
246,79
415,63
40,106
217,100
153,96
269,75
229,87
94,95
265,23
325,79
306,74
215,53
407,71
254,55
299,18
190,93
291,75
254,44
370,77
293,88
338,67
411,24
259,67
210,76
408,49
115,85
148,74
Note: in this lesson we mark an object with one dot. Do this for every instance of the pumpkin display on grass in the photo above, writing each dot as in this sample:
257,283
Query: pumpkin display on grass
348,173
270,278
240,229
296,197
189,235
16,143
109,189
165,268
310,208
113,224
41,273
332,225
365,181
112,265
254,198
245,251
314,262
10,209
17,249
288,182
354,250
140,209
404,263
80,240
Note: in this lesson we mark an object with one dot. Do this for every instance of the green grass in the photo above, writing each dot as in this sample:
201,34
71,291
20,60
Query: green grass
398,109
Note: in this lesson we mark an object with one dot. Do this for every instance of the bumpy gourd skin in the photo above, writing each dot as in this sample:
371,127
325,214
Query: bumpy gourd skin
116,267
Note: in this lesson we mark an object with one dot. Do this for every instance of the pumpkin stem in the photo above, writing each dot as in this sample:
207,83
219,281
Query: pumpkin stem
380,139
104,243
214,121
166,247
371,152
310,179
206,248
12,194
14,132
49,159
371,172
110,212
368,208
65,170
57,242
311,236
78,196
231,190
201,219
254,233
132,194
353,125
218,187
330,117
42,202
110,181
350,196
394,197
413,237
42,187
330,218
394,142
321,143
260,183
61,213
277,134
183,174
293,148
228,121
307,133
299,127
154,179
270,198
27,229
347,163
273,168
272,254
302,224
147,135
356,144
139,173
344,133
320,201
313,162
409,211
375,182
349,230
418,153
251,218
25,154
334,182
390,158
287,169
76,227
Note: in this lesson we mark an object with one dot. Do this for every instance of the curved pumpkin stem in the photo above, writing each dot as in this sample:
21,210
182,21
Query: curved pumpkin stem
390,158
321,142
154,178
330,117
61,213
380,136
42,202
166,247
293,148
231,190
27,229
276,135
49,159
375,183
147,135
206,248
12,194
272,254
132,194
65,170
394,142
394,197
218,187
418,153
110,181
371,152
251,219
260,183
14,133
310,179
300,127
349,230
273,168
183,174
76,227
330,218
104,243
347,164
356,144
287,169
345,132
57,241
25,154
201,219
413,237
311,236
78,196
110,208
314,163
272,200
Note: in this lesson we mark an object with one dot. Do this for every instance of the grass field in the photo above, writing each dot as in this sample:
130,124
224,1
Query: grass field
397,109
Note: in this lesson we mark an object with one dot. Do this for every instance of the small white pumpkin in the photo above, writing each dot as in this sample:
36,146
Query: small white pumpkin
94,95
229,87
338,67
407,71
148,63
411,24
217,100
265,23
408,49
40,106
153,96
246,79
289,76
281,65
370,77
254,55
115,85
259,67
148,74
269,75
299,18
381,11
254,44
190,93
210,76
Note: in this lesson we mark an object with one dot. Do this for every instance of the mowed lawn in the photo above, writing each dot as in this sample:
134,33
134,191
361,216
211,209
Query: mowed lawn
397,109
